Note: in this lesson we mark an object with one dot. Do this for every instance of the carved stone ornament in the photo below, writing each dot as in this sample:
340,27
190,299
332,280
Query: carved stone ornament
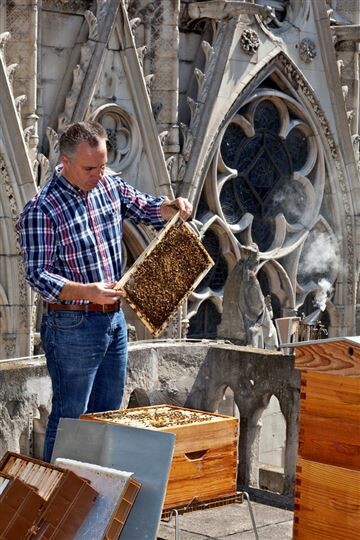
307,50
123,135
298,82
249,41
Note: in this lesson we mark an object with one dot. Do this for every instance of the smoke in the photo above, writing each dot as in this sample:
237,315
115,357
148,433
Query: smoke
290,200
323,294
320,255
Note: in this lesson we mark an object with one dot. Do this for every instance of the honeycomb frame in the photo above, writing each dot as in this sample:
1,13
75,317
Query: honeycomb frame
165,274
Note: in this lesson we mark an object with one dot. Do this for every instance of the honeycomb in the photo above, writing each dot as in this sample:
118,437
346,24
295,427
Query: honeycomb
155,418
164,276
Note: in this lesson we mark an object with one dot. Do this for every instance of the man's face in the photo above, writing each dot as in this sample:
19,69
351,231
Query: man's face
85,168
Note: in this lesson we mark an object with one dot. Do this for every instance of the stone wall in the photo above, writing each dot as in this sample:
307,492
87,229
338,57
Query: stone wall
191,374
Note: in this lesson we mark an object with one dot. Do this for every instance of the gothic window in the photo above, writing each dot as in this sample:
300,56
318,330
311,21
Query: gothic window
266,162
216,277
204,323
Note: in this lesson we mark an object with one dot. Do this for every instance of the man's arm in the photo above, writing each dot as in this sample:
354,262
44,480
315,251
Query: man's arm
98,293
150,210
37,241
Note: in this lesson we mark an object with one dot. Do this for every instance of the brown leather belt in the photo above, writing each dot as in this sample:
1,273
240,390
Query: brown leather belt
100,308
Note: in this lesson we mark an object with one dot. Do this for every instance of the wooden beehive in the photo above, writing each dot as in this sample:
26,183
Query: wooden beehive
68,498
327,502
165,274
204,464
327,499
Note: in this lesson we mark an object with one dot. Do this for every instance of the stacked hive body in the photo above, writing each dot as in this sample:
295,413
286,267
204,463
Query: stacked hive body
327,498
65,497
204,465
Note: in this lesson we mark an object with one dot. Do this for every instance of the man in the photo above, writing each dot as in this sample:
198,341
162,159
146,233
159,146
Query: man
70,234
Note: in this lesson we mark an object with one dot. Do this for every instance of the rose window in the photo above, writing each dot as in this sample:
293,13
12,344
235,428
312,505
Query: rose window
268,151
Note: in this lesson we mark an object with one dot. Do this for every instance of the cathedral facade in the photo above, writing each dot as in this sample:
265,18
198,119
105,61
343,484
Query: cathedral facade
249,109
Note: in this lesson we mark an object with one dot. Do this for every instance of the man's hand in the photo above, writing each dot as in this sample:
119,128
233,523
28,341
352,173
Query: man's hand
169,208
97,293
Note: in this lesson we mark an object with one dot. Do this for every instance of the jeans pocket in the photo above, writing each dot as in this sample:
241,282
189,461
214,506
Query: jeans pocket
65,319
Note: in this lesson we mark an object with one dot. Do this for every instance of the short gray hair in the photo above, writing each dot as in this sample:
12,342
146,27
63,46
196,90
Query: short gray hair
91,132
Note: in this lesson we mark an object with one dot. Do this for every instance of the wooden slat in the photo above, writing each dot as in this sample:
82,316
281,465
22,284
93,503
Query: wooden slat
327,502
338,357
330,419
331,396
330,440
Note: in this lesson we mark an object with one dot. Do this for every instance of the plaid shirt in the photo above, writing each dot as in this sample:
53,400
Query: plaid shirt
68,235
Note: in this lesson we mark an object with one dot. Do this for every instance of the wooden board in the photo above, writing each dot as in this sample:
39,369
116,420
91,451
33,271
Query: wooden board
327,502
164,275
336,357
330,419
205,455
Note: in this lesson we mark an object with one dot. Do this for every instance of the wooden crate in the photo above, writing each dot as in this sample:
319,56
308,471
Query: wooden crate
68,498
164,275
327,502
330,419
338,356
20,509
205,457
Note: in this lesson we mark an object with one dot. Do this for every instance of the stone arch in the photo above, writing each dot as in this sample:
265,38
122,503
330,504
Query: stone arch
272,446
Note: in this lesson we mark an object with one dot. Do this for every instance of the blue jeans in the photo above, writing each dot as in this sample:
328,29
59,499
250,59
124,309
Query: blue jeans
86,355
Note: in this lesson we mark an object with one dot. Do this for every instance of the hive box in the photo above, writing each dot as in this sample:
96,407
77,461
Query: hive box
204,464
327,498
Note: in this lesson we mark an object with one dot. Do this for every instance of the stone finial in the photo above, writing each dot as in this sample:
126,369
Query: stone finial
141,52
10,70
134,23
208,50
93,25
307,50
19,102
249,41
200,78
4,38
149,79
53,139
163,137
193,108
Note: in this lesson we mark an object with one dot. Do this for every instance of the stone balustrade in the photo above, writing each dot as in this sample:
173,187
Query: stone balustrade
184,373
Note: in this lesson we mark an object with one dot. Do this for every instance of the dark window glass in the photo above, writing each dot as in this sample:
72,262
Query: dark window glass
216,277
267,117
204,323
230,144
266,164
297,145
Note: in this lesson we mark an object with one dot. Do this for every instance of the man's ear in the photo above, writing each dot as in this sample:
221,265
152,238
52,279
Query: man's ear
64,160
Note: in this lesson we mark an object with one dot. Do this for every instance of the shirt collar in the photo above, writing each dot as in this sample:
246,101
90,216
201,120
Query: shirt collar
65,183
